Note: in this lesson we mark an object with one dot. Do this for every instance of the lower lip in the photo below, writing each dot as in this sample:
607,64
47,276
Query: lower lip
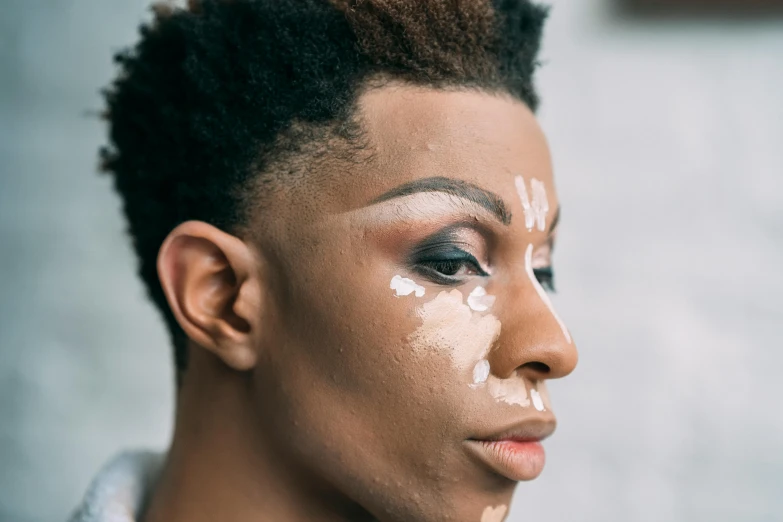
516,460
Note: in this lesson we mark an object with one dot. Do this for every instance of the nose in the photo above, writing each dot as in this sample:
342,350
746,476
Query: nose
533,339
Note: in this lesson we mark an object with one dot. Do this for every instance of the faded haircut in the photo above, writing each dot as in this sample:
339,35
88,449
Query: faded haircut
221,96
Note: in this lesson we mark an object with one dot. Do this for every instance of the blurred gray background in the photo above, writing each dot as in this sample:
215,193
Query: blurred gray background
667,135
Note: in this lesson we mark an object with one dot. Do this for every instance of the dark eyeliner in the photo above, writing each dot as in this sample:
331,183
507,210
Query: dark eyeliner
545,277
440,251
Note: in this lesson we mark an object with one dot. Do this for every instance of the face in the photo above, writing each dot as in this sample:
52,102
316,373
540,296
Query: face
413,334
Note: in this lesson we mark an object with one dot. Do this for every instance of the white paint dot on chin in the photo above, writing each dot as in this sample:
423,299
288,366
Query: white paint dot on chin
494,514
538,403
403,286
481,372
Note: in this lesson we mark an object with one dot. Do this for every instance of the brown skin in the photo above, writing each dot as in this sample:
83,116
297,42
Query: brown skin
304,400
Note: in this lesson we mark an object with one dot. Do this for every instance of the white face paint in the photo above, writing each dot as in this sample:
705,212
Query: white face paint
535,211
511,391
540,203
542,293
450,326
481,372
538,403
494,514
479,301
519,181
404,286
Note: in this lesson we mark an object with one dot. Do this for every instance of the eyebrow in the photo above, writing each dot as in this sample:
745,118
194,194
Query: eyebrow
455,187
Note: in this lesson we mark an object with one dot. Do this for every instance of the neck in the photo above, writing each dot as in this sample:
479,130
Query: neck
221,466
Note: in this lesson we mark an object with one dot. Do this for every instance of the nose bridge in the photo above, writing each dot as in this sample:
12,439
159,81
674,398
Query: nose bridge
533,337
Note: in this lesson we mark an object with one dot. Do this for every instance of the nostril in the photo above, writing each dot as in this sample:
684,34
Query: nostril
537,367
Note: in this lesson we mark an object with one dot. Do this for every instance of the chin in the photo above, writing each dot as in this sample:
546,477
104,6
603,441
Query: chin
462,504
466,490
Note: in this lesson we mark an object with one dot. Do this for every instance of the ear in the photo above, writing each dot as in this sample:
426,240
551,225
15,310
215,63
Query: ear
211,282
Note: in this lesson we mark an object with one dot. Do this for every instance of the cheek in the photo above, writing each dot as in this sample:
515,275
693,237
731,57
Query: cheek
454,333
416,349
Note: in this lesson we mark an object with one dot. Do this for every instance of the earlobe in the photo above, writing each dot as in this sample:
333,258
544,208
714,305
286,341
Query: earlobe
210,279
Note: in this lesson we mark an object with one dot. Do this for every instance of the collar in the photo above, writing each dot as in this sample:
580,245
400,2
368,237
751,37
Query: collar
119,492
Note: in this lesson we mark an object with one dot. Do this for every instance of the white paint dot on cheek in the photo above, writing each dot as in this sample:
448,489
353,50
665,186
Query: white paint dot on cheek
479,301
537,402
481,372
403,286
494,514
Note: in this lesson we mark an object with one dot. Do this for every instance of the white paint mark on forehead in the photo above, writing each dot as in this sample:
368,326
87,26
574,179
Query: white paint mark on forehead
479,301
536,210
494,514
542,293
519,181
404,286
540,203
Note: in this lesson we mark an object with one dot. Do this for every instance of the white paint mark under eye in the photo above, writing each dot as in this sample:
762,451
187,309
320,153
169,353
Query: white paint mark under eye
479,301
404,286
542,293
538,403
450,327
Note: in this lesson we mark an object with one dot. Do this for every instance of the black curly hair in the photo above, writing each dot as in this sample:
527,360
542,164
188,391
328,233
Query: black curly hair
221,97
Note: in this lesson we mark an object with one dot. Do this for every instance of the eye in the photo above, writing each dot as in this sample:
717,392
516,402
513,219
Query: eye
545,277
448,267
453,267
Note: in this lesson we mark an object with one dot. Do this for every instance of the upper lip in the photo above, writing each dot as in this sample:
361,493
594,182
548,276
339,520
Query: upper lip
527,430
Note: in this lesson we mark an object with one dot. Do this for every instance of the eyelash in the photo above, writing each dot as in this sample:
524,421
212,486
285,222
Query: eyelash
440,270
546,278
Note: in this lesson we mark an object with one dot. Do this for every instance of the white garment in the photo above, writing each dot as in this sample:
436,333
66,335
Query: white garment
119,491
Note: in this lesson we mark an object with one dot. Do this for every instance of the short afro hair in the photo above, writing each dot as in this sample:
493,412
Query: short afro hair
224,93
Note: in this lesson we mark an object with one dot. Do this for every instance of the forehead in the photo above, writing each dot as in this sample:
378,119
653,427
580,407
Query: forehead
475,136
419,132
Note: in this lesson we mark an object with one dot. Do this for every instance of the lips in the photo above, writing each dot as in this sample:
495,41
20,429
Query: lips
515,453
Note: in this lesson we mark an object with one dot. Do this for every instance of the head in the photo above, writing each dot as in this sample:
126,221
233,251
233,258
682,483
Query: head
346,212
